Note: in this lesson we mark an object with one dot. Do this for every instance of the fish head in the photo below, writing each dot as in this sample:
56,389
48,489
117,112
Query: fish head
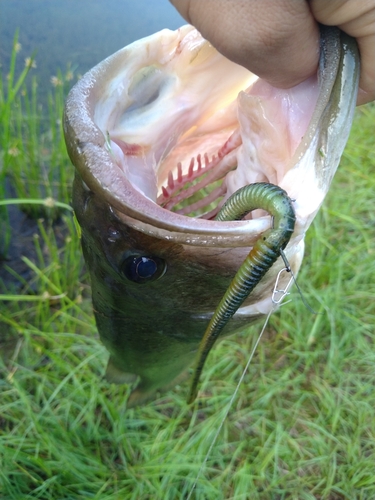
161,134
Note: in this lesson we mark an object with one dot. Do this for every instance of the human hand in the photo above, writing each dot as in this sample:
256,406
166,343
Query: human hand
279,39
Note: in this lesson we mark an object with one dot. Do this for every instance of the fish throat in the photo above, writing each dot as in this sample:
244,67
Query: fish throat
197,188
198,192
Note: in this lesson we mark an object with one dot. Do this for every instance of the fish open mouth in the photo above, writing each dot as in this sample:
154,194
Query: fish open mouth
188,127
168,127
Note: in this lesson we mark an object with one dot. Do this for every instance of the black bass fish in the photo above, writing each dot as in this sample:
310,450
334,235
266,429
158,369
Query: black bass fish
162,133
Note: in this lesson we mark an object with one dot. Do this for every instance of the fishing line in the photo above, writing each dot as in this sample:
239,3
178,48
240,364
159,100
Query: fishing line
288,269
276,301
229,406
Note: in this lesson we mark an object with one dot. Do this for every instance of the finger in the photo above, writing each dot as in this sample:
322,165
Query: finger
366,91
275,39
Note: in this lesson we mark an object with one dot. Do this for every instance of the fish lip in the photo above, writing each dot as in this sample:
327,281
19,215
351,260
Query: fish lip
241,311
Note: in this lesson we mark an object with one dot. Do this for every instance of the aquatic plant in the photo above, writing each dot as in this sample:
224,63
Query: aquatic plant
40,167
10,87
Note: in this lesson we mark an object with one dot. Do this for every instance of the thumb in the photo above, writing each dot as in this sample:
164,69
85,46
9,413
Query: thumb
276,39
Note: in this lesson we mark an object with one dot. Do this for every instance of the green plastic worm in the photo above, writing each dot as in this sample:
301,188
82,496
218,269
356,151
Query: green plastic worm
262,256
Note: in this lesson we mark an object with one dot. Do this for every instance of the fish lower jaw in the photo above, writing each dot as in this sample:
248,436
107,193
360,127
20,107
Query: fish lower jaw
250,312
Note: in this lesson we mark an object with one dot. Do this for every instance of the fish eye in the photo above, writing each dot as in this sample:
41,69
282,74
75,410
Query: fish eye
143,268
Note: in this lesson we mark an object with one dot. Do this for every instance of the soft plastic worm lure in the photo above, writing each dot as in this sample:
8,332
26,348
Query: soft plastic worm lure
262,256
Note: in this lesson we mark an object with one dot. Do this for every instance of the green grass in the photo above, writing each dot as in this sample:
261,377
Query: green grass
302,426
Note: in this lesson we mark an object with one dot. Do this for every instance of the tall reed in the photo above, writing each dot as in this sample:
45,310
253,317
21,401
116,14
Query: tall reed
10,87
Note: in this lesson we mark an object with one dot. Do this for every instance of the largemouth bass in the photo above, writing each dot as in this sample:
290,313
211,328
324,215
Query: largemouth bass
161,133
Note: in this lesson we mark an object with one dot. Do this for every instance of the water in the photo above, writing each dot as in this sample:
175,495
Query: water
79,33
